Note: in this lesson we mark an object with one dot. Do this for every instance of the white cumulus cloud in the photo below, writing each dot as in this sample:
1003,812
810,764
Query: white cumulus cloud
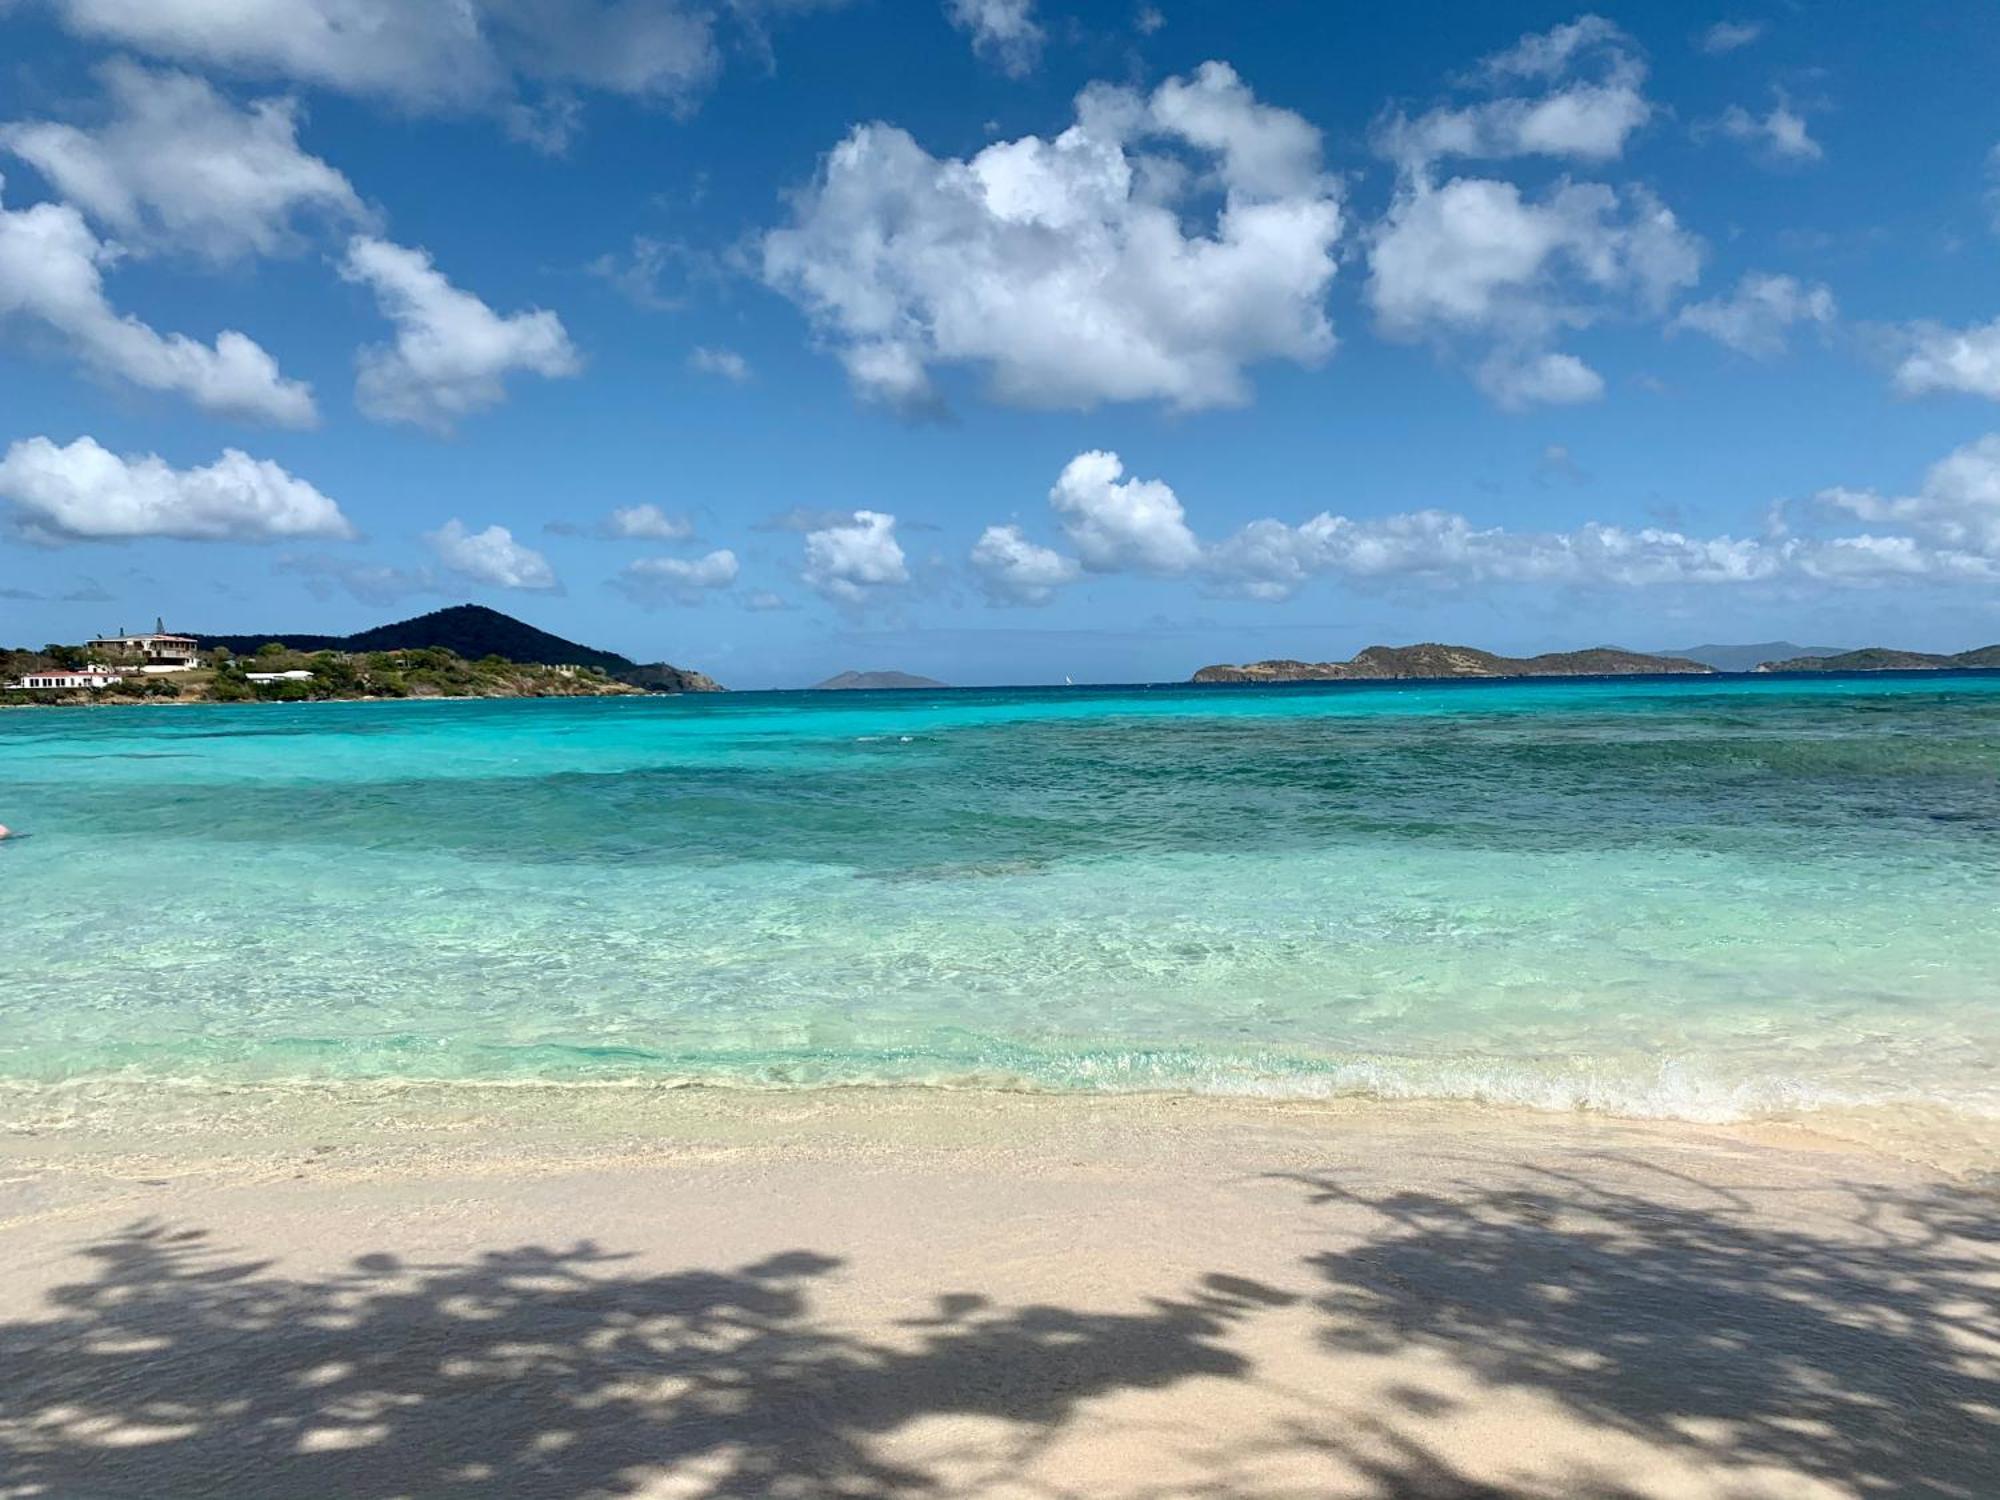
1965,360
452,352
518,59
1584,119
1072,270
677,580
1948,532
646,522
1758,316
1476,259
1728,36
524,63
726,363
1004,32
1957,507
854,561
1014,570
1497,275
491,556
1781,135
420,54
1475,254
1549,54
177,165
1270,560
1515,381
51,272
85,492
659,49
1118,523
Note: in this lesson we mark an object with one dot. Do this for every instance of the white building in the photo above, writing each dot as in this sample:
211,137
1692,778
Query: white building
292,676
158,650
94,678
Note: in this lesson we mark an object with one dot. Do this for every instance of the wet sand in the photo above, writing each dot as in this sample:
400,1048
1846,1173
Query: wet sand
884,1293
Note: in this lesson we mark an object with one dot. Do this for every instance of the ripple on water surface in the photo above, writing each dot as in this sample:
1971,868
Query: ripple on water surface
1702,899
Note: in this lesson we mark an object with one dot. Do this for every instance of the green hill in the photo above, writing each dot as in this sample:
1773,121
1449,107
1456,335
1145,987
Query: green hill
472,630
1379,663
1886,659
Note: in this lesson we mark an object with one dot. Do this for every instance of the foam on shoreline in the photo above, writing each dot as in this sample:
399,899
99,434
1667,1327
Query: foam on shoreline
427,1125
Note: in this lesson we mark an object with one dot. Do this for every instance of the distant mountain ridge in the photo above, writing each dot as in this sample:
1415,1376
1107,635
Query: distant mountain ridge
1748,658
874,681
1432,660
474,631
1886,659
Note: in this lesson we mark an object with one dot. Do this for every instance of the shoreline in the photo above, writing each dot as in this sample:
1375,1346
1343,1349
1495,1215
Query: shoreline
217,1125
307,703
1015,1296
1710,676
423,1127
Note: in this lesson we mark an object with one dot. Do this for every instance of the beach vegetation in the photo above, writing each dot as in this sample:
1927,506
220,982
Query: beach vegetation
463,652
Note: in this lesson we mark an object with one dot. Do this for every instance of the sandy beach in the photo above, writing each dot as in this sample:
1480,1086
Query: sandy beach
904,1293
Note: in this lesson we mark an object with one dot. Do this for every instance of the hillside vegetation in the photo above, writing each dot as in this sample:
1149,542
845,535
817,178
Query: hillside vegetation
1886,659
1431,660
471,631
227,678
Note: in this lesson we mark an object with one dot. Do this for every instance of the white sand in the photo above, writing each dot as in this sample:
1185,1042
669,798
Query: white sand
910,1294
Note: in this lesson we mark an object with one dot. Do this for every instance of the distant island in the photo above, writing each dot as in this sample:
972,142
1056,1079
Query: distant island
1885,659
1749,658
1430,660
467,651
872,681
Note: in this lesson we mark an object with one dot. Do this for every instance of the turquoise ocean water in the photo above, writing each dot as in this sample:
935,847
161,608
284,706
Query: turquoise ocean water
1708,899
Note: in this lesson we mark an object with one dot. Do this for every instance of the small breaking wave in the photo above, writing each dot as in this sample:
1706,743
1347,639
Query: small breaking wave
1656,1088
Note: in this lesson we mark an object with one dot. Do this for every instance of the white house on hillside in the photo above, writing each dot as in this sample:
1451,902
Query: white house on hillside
158,650
60,680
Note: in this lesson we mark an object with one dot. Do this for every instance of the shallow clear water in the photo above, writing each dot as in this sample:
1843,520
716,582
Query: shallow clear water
1695,898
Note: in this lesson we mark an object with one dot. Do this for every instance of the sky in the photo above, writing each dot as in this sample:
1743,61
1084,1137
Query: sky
1003,340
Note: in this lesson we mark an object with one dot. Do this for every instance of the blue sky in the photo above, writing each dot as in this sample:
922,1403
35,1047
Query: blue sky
1002,340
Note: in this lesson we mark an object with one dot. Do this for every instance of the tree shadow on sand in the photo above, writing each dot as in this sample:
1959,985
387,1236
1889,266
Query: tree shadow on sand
1862,1350
533,1372
1867,1356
